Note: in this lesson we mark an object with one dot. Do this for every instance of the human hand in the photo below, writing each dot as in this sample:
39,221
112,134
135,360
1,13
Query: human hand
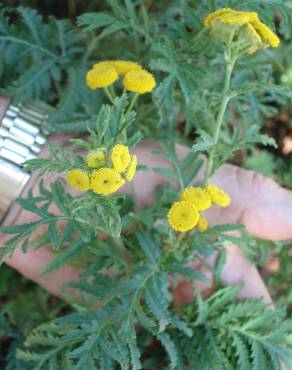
257,202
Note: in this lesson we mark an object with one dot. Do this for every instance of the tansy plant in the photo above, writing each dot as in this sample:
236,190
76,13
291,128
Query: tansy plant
133,257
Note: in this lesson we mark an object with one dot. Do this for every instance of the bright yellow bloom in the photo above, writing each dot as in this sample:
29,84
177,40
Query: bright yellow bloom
266,33
105,181
120,158
95,159
202,224
139,81
218,196
124,66
183,216
78,179
198,196
131,170
101,75
121,66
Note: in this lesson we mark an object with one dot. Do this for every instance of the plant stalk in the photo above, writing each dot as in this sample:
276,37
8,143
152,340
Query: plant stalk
230,62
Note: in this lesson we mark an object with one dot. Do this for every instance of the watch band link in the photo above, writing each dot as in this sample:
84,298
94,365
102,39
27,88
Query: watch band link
22,135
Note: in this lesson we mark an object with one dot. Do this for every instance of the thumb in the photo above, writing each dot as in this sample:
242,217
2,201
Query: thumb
258,202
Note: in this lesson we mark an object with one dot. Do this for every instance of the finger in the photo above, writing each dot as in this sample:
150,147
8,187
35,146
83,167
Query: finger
33,263
256,201
237,270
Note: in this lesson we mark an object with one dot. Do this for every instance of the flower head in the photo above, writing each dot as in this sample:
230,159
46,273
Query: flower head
125,66
218,196
202,224
131,170
95,159
120,158
197,196
245,25
183,216
139,81
105,181
78,179
102,75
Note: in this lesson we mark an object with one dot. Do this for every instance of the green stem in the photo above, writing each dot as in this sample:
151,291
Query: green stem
130,107
230,61
179,175
112,91
174,247
124,254
108,94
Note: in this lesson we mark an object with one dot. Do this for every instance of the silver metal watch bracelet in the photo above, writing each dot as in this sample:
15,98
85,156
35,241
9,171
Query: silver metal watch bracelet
22,136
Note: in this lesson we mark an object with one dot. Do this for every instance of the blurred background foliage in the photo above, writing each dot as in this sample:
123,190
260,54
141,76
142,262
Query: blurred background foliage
44,57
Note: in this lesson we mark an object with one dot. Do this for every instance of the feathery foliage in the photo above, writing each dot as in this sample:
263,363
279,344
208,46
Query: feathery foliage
125,317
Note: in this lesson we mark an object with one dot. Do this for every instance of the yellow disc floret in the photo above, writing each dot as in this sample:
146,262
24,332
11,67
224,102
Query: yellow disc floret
95,159
105,181
183,216
78,179
131,170
198,196
139,81
202,224
120,158
102,75
218,196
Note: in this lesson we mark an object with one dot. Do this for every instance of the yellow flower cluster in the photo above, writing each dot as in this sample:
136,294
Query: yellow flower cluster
185,214
247,25
107,72
104,180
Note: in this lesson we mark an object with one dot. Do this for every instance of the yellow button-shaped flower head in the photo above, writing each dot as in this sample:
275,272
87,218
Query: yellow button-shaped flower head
202,224
120,158
95,159
218,196
131,170
78,179
139,81
245,25
102,75
183,216
198,196
124,66
105,181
